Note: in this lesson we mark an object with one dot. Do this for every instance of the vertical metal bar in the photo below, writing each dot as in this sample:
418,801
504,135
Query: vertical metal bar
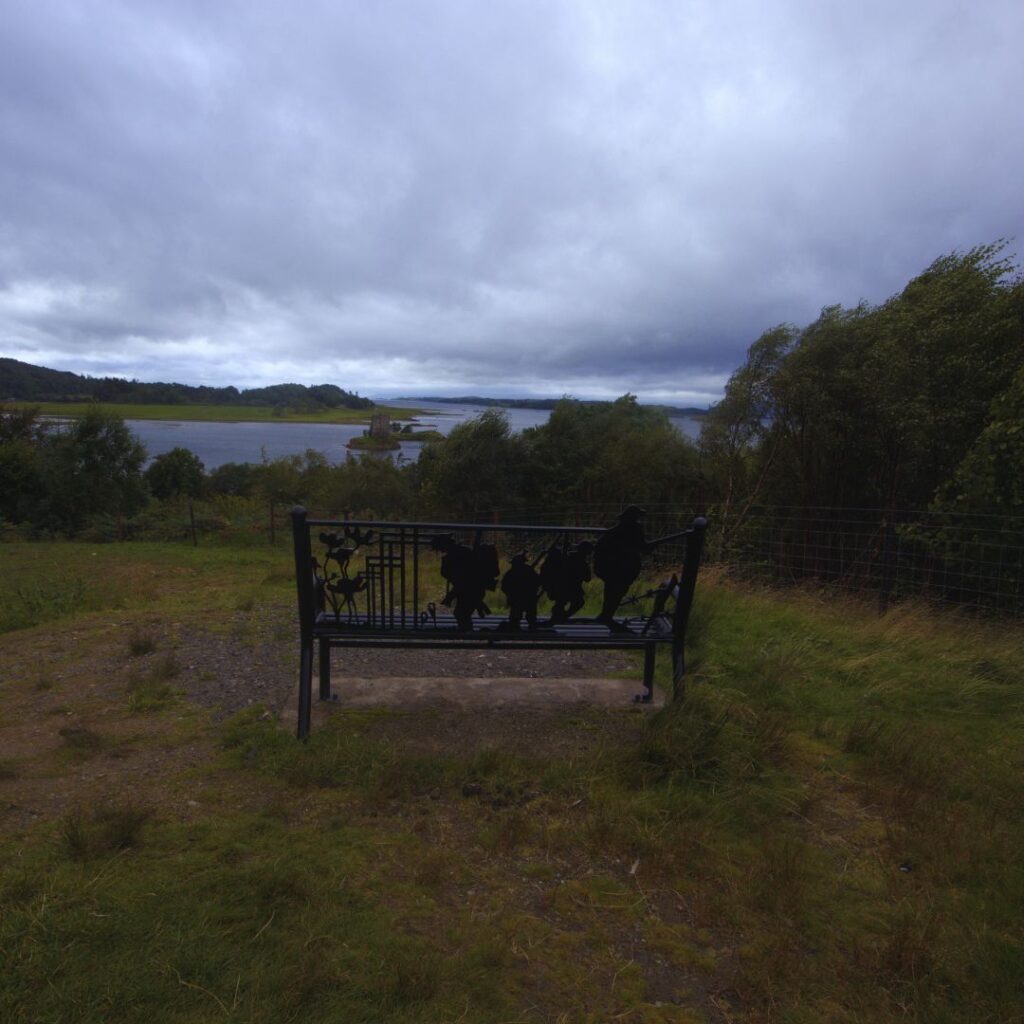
325,669
305,586
391,584
305,688
303,571
678,671
687,584
401,570
415,578
383,609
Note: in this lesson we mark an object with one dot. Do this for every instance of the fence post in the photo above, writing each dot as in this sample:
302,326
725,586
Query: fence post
273,535
888,558
192,524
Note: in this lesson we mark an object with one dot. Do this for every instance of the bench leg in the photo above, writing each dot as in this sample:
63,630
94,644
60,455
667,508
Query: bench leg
648,692
678,670
305,688
325,669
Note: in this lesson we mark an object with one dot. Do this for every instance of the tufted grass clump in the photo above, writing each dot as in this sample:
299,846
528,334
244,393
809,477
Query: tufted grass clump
107,829
141,642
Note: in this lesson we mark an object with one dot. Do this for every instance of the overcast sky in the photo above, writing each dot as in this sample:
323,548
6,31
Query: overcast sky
507,197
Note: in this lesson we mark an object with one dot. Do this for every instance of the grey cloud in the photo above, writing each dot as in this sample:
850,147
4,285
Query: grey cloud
572,197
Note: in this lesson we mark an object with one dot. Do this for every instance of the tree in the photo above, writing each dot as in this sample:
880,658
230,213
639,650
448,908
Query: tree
733,432
93,468
368,487
177,472
872,406
636,456
990,479
19,424
477,467
605,453
20,478
237,479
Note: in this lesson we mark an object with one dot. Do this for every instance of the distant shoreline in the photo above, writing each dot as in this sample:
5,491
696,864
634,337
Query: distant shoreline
214,413
693,412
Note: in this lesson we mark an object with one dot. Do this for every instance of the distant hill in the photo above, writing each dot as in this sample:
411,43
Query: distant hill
28,383
542,403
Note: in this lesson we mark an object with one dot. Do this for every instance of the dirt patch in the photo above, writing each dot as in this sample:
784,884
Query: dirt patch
369,664
57,693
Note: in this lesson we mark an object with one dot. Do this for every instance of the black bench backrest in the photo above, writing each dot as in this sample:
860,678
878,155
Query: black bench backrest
392,562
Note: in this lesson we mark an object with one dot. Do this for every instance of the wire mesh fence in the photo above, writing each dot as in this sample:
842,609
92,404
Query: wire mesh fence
970,560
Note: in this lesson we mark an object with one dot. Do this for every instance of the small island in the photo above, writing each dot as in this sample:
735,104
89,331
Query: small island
368,443
384,435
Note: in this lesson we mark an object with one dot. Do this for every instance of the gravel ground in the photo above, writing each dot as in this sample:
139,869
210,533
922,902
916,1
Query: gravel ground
254,660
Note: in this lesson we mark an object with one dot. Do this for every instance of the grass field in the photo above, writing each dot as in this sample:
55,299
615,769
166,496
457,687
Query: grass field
217,413
829,829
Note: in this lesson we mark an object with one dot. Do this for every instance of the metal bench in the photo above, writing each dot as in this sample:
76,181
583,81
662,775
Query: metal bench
427,585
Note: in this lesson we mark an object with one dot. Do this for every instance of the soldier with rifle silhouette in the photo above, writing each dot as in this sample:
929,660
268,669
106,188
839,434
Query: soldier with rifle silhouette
617,557
470,573
487,569
564,583
618,554
551,568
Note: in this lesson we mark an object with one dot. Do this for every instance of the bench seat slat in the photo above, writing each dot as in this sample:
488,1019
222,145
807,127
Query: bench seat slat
490,629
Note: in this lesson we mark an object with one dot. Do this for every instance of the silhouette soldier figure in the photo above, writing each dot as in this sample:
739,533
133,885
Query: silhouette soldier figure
551,569
521,585
617,557
469,573
565,585
486,568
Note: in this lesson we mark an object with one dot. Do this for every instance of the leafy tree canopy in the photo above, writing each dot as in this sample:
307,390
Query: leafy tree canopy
177,472
873,406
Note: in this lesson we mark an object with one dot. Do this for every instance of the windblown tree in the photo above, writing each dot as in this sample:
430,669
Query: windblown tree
990,478
872,406
733,454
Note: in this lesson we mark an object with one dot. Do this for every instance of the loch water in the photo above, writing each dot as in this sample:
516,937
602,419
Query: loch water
217,443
